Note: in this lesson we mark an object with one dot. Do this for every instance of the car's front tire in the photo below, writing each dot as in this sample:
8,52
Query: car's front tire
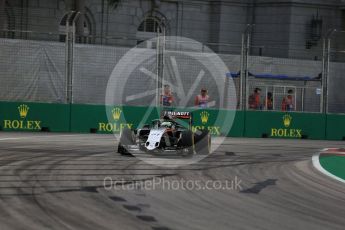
126,139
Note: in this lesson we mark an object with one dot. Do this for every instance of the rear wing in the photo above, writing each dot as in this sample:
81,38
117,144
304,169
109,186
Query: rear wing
179,115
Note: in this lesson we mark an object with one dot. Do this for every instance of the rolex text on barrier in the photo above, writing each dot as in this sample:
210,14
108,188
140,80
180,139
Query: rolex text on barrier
286,131
22,123
28,116
203,120
115,125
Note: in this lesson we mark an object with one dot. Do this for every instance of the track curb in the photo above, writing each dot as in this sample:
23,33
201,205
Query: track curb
317,165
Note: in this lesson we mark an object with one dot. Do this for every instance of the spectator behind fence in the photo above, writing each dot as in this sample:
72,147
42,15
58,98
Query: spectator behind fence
288,101
269,101
202,99
167,97
254,99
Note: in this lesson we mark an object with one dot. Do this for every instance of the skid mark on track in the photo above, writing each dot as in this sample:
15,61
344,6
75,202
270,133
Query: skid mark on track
161,228
117,199
230,154
89,189
258,187
146,218
132,208
139,211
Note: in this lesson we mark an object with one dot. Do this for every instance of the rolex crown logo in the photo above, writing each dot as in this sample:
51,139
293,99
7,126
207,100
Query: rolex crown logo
23,111
287,120
116,112
204,117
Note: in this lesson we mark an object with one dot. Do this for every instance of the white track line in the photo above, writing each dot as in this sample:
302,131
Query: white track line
33,137
317,165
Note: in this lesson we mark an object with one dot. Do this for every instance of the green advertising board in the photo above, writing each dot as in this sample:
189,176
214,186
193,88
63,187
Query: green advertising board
284,125
112,119
25,116
335,127
109,119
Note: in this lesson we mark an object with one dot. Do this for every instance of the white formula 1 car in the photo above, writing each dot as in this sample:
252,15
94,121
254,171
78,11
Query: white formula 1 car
167,134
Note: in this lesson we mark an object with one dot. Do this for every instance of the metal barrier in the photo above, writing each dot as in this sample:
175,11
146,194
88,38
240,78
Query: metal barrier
69,72
305,96
298,71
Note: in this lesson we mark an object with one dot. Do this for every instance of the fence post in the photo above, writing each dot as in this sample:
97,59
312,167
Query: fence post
244,73
327,75
323,74
242,107
68,57
76,17
160,49
326,58
70,41
247,64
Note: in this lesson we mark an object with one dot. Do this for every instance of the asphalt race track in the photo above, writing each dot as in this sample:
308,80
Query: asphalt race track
56,181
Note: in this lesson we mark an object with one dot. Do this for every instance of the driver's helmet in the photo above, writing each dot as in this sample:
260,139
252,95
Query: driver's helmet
166,124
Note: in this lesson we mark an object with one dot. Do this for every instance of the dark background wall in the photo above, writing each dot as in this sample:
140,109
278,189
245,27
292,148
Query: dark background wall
289,28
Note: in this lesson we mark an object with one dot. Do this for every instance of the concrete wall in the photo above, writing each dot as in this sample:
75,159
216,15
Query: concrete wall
282,26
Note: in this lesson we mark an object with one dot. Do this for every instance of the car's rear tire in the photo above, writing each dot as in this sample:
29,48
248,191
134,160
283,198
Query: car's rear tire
202,142
186,142
126,139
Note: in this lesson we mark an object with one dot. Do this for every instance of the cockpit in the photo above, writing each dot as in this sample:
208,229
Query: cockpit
156,124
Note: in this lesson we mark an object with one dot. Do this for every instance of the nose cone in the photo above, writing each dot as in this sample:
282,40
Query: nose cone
154,138
150,145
